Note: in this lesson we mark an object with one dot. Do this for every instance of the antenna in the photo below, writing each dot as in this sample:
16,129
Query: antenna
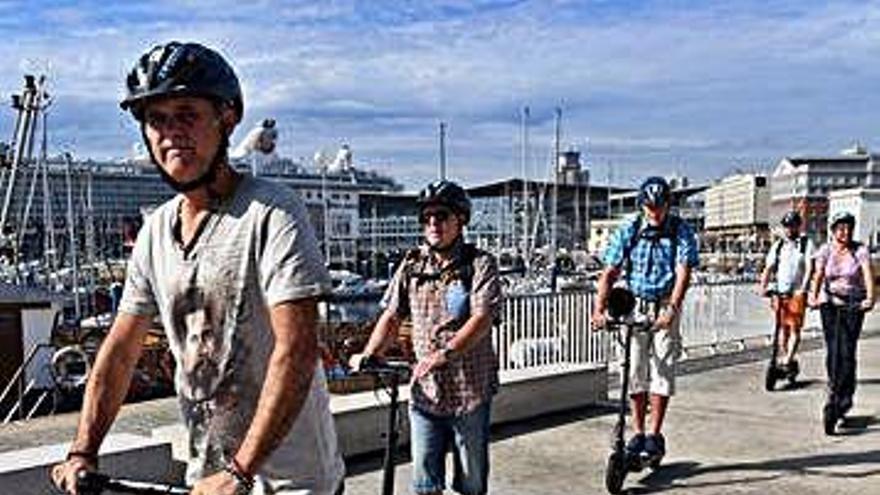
442,150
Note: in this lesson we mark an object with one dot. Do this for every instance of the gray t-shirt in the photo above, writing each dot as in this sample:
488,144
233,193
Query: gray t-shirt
256,250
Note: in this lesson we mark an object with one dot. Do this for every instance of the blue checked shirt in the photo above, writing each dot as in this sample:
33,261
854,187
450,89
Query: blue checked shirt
653,272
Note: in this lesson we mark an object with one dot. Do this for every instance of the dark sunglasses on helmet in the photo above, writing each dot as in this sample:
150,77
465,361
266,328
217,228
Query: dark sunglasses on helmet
441,215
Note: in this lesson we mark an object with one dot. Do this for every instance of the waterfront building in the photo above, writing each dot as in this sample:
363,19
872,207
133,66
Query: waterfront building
803,183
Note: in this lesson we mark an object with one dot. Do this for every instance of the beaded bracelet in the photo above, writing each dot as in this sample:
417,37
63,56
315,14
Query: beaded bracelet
243,480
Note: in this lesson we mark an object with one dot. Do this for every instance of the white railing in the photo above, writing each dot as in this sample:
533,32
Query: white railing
547,330
554,329
715,314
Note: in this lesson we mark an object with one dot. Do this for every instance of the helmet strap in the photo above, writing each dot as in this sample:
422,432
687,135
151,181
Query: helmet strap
207,178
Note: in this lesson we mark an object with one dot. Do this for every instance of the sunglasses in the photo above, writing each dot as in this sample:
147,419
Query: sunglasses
440,215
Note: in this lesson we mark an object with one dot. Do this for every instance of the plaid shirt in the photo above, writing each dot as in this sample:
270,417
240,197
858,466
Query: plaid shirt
653,271
438,307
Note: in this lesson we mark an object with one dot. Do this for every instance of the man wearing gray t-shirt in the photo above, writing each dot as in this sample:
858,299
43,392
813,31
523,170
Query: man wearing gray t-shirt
231,268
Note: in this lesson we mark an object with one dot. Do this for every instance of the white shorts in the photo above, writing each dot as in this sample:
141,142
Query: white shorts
653,359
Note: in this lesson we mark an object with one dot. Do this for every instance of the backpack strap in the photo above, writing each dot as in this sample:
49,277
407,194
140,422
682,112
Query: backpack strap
469,253
674,224
777,246
626,261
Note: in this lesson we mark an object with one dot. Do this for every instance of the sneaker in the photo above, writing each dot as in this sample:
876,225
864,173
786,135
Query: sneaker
636,444
655,446
792,369
829,418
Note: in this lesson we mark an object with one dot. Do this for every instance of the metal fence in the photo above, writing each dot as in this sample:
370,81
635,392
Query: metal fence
554,329
716,314
547,329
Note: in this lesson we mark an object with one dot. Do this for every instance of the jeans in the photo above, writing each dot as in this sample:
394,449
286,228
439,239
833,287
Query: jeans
841,327
468,437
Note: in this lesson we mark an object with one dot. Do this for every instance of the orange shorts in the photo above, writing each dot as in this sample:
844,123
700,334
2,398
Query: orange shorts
793,309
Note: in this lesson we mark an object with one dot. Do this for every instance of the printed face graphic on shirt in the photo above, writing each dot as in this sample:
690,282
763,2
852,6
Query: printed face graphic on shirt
200,332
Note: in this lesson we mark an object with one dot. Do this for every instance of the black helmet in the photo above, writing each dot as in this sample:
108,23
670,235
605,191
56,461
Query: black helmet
446,193
654,192
182,69
791,219
843,217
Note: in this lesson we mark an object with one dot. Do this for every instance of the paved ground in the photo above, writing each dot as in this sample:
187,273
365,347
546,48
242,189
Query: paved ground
725,435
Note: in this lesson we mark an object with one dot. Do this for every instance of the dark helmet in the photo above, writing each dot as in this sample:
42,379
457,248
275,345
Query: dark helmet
791,219
654,192
181,69
446,193
843,217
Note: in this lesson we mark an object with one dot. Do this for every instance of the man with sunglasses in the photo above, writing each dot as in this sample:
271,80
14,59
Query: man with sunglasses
655,253
231,268
451,293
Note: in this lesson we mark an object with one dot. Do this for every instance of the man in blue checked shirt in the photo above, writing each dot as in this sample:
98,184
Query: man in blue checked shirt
655,253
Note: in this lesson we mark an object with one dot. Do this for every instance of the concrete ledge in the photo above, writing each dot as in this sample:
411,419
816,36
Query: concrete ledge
362,418
26,472
532,392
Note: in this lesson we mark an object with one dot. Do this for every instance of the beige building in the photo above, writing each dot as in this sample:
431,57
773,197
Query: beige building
737,213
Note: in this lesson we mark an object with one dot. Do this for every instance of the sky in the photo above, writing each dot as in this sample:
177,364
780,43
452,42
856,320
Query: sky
696,88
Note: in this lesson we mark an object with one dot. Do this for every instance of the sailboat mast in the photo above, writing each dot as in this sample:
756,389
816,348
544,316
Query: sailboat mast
23,126
442,150
71,233
554,219
524,153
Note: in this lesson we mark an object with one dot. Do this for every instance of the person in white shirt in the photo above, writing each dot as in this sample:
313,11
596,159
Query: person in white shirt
787,272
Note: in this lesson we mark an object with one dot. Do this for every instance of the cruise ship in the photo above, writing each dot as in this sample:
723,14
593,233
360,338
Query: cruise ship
106,200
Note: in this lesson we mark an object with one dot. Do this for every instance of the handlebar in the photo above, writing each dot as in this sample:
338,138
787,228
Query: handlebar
636,321
372,365
91,483
777,293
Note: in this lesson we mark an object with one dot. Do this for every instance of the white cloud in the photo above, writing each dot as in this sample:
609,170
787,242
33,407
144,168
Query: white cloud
642,83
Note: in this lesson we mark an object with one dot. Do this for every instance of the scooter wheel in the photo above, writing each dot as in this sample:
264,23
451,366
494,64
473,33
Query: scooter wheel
829,418
793,370
770,379
615,472
655,462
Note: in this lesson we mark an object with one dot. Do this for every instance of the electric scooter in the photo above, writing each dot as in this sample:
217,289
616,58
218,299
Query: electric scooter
389,375
775,372
623,319
92,483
